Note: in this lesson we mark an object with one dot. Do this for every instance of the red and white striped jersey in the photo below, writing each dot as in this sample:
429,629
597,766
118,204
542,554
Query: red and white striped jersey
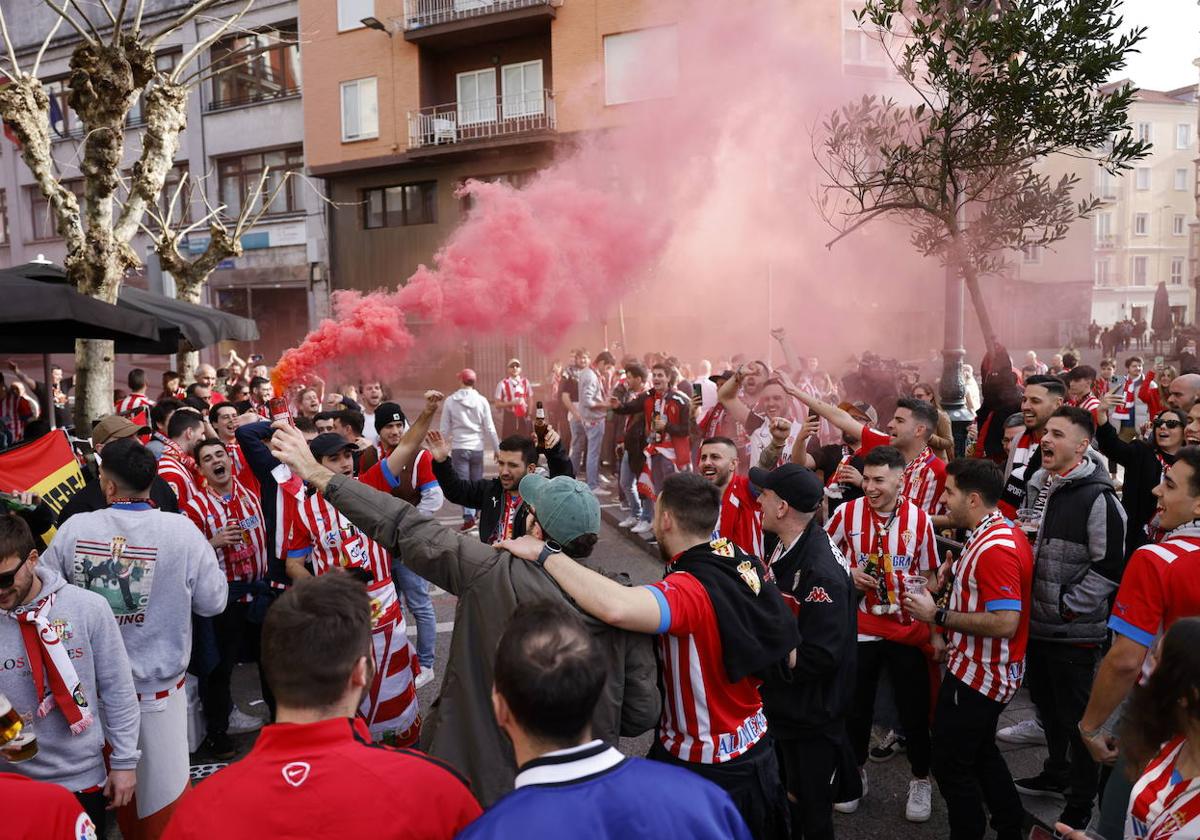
133,402
514,390
1164,805
741,516
241,469
15,412
901,543
1089,402
994,572
924,476
246,561
705,718
1161,584
315,527
178,469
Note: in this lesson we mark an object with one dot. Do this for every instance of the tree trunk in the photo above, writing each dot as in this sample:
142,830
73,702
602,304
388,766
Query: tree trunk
93,386
971,278
186,361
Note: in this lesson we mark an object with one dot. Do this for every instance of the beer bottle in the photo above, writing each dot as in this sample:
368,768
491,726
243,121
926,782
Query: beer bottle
539,425
11,502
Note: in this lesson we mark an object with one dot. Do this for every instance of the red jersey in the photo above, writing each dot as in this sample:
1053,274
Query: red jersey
178,469
1164,804
132,403
1161,584
741,516
705,718
42,811
994,572
924,476
674,407
380,475
291,784
245,561
1088,402
317,530
901,543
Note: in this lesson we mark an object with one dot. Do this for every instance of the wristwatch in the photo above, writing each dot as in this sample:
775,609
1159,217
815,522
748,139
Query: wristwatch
939,617
549,549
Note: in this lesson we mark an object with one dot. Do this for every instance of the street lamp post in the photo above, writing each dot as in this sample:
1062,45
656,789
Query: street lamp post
952,391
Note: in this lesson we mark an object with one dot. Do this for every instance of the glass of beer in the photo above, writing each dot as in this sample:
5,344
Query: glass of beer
10,722
22,745
1029,520
915,584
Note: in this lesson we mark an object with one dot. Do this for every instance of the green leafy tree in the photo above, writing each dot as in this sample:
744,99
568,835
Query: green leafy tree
996,87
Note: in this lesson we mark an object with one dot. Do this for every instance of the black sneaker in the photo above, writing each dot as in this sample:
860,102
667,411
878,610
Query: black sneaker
1076,816
888,747
220,746
1041,785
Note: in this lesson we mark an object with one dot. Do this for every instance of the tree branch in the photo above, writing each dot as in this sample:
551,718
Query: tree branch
65,15
37,61
207,41
196,8
8,46
88,21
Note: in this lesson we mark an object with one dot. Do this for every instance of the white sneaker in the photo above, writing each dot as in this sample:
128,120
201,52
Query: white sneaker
920,801
424,678
628,522
642,527
1026,732
240,722
852,806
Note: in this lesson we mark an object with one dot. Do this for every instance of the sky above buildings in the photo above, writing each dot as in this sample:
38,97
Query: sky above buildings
1172,43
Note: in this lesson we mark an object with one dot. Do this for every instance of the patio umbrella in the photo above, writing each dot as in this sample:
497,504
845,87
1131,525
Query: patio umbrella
40,317
181,325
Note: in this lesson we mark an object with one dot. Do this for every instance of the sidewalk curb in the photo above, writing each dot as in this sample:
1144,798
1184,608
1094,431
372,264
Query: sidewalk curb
611,514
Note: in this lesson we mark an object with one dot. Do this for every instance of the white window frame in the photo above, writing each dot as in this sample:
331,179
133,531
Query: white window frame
1134,262
1103,273
1141,178
1176,271
619,90
359,8
1031,255
482,109
1178,224
1103,226
1106,184
1145,131
365,132
1183,135
1141,224
1181,180
523,103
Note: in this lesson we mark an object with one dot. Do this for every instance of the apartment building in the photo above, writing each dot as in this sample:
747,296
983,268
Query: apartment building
238,123
1141,232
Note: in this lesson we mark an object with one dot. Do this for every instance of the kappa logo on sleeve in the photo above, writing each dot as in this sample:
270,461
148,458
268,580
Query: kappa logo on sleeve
818,595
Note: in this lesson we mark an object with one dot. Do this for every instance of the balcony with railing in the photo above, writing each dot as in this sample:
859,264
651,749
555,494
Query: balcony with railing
508,119
1107,241
453,23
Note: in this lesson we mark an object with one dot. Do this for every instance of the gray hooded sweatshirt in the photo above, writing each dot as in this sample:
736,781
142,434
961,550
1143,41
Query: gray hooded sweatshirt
154,569
86,626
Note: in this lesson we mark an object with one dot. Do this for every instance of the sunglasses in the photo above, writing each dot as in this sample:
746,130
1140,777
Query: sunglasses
1170,424
7,579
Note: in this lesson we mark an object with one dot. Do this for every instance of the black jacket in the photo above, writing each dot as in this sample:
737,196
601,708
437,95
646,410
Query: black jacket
91,497
487,496
817,588
1143,472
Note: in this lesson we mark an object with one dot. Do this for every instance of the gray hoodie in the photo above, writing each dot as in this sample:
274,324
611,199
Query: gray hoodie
154,569
467,421
87,628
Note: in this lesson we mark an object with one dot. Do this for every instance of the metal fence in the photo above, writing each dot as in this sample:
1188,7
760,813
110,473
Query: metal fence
419,13
499,116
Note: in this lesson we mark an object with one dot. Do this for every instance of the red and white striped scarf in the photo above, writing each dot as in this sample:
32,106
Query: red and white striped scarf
50,665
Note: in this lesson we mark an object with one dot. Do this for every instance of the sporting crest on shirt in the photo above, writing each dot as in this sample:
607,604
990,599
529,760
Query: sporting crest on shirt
62,629
749,574
907,536
722,548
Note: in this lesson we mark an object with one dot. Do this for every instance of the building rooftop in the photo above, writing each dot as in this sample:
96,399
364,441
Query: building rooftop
1185,95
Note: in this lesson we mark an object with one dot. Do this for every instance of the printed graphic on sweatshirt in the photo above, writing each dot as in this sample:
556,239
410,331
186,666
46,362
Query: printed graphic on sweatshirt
121,572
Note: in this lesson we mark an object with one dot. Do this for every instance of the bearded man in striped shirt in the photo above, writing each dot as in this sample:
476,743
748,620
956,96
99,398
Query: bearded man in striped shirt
986,625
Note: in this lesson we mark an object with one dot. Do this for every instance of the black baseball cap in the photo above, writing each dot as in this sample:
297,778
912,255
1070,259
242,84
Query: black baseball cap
388,412
796,485
328,443
718,378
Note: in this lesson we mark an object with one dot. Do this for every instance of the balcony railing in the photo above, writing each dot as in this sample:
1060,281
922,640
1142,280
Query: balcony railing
481,119
1107,241
418,13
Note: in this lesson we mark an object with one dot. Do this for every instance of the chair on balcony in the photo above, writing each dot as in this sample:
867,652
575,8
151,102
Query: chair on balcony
444,130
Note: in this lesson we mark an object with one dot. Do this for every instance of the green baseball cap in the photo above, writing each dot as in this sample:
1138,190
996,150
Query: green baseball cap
566,508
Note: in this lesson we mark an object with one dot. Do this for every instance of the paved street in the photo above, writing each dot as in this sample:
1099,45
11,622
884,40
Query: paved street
882,811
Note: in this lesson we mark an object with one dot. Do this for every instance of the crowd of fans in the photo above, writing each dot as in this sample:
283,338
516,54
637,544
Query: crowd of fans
839,558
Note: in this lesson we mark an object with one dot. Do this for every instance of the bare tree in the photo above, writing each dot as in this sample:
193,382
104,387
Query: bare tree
112,68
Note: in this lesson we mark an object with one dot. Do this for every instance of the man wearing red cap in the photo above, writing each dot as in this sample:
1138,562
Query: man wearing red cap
466,422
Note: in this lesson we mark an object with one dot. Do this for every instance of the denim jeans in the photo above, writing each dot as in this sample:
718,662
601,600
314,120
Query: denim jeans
415,590
595,443
660,467
578,444
468,465
629,488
